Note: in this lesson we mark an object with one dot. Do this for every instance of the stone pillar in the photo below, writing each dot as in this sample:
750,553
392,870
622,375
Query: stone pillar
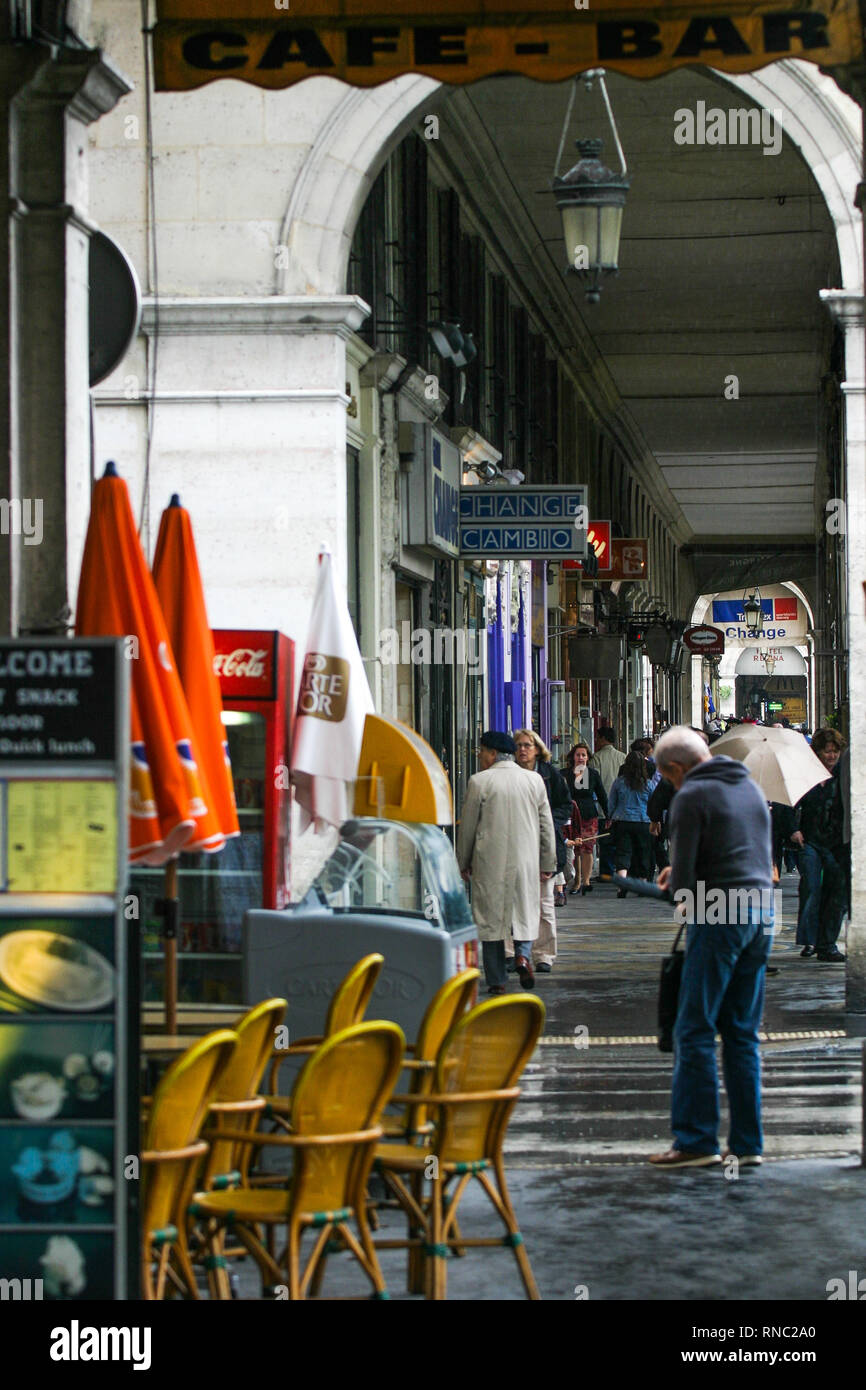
846,308
45,334
18,63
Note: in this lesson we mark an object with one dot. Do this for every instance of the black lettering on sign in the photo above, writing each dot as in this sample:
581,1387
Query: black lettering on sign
622,39
440,46
363,44
726,38
780,29
198,51
296,46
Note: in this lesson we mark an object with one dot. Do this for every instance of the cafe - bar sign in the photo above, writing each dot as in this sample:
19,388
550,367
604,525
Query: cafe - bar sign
365,42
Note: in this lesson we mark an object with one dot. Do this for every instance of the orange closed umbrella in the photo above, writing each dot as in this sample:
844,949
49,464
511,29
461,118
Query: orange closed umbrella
168,810
178,584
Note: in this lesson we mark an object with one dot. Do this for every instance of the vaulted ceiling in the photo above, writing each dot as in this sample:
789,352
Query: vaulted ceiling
724,251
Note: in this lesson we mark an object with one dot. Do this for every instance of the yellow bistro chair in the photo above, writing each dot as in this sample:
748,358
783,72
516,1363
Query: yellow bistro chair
448,1004
237,1101
474,1092
171,1155
412,1123
348,1006
236,1105
337,1102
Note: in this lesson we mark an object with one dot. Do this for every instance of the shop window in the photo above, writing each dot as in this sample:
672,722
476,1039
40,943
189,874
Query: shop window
518,397
388,259
497,368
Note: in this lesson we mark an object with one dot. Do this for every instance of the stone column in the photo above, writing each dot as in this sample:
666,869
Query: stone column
846,307
46,330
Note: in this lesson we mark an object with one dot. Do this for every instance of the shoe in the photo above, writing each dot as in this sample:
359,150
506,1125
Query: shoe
807,952
830,955
772,970
559,899
745,1160
542,968
495,989
509,965
524,971
623,893
678,1158
572,891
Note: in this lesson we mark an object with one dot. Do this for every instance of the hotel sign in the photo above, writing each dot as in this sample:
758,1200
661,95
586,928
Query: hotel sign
273,45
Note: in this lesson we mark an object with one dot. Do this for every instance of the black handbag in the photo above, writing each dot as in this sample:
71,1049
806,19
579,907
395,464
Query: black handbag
669,993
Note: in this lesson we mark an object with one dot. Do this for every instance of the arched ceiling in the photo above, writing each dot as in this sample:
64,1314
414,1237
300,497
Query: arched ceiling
724,252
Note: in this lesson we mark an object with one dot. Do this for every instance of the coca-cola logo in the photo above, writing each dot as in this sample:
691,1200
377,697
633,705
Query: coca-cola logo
243,661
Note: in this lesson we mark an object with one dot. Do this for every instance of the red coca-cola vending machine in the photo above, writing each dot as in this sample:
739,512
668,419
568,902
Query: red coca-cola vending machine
255,671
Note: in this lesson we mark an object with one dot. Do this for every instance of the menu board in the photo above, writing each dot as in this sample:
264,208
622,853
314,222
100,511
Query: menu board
59,833
67,1066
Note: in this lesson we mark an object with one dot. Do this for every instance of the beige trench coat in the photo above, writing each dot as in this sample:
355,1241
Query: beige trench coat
506,837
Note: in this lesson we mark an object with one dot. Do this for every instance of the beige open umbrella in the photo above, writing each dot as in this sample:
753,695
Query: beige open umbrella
779,760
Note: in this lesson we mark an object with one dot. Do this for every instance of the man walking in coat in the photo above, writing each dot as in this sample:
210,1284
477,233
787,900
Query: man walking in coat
505,841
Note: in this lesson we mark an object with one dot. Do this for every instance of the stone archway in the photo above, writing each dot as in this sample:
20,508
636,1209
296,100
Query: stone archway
365,124
329,192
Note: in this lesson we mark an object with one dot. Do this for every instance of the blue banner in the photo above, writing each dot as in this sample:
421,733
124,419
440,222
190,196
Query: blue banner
730,610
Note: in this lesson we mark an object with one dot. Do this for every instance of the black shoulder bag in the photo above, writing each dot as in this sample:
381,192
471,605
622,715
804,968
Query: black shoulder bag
669,993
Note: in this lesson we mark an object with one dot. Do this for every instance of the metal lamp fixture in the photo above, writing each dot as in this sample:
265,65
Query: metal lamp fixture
753,611
769,660
452,343
591,198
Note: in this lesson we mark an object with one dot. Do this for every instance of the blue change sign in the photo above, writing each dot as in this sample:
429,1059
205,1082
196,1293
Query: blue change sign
524,522
728,615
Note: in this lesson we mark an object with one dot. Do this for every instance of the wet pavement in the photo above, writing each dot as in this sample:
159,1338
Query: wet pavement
598,1222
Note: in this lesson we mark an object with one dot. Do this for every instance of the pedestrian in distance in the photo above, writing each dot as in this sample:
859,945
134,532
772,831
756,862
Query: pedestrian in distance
607,761
589,810
505,843
627,808
720,840
534,756
819,838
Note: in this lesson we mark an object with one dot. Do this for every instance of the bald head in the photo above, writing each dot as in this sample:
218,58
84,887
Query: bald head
678,751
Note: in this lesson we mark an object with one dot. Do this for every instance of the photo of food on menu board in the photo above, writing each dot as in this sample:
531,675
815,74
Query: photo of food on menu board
62,1071
70,1265
56,1176
58,965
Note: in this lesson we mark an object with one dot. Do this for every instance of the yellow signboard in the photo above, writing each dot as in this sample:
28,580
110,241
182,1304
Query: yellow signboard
61,837
399,776
200,41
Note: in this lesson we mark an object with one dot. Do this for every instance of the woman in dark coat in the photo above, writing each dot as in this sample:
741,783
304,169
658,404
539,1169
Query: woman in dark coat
627,805
819,838
589,801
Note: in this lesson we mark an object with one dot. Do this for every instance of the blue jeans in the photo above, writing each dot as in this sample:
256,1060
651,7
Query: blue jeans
493,958
722,991
822,898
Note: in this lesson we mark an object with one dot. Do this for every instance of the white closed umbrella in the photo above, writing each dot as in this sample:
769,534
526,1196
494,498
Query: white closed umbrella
779,760
333,702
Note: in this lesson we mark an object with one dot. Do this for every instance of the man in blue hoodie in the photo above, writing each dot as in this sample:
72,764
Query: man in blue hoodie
721,872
